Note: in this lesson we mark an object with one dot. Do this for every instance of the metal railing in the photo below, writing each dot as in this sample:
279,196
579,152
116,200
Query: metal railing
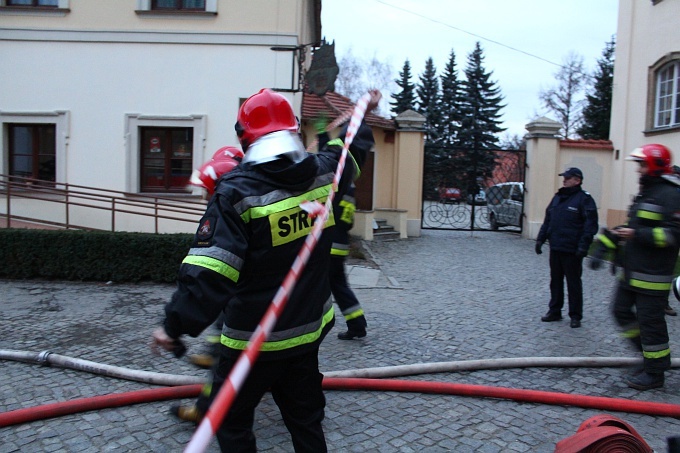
93,205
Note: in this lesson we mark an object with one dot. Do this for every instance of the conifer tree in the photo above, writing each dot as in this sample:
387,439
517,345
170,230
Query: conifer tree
480,109
428,100
449,103
598,109
406,98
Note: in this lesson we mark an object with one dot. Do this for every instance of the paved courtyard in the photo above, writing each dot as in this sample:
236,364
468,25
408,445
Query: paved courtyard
446,296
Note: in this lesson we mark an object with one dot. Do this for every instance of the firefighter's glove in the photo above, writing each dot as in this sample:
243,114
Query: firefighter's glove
538,247
320,124
581,253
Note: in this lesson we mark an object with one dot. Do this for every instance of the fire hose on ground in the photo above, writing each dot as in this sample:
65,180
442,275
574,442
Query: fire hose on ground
370,379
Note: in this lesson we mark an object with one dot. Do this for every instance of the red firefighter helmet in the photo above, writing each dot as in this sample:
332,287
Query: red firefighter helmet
657,157
223,161
263,113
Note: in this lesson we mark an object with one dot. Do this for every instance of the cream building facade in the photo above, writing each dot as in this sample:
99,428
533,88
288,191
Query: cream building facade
134,94
646,98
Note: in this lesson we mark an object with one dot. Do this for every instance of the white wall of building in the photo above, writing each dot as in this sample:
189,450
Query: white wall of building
646,33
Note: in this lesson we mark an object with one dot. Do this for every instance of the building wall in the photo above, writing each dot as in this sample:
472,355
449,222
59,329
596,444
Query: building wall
103,69
548,156
646,33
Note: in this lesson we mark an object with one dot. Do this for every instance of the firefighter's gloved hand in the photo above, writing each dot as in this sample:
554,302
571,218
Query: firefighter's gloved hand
581,253
538,247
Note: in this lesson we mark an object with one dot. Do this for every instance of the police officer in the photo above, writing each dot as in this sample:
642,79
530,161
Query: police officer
244,247
648,246
569,225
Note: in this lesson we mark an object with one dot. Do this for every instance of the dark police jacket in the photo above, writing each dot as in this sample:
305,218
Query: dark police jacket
246,243
570,221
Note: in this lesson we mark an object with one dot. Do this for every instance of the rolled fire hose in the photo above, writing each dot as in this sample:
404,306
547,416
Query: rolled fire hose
603,434
342,383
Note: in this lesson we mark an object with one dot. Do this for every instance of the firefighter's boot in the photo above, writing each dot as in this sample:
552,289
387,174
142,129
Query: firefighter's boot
187,413
646,381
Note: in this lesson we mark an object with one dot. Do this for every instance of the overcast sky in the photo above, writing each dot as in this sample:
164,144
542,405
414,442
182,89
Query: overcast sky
524,41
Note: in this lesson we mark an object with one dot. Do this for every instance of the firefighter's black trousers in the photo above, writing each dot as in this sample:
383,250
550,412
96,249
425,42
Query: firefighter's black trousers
343,294
635,311
295,384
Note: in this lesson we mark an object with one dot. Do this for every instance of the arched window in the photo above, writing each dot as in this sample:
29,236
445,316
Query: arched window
667,96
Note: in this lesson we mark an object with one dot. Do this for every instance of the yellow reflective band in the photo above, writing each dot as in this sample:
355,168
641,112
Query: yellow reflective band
632,333
214,265
347,211
649,285
293,224
606,241
659,235
272,346
339,252
206,389
649,215
319,194
656,354
354,314
339,142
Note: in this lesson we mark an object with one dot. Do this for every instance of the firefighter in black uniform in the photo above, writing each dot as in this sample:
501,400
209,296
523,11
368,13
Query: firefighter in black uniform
244,247
647,249
342,293
344,220
569,225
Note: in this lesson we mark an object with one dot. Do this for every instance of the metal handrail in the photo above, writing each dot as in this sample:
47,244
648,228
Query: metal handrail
116,202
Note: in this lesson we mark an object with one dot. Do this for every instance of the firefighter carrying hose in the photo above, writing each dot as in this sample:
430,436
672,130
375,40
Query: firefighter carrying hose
647,249
244,247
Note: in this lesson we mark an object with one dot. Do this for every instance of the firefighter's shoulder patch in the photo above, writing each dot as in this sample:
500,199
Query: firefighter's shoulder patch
206,228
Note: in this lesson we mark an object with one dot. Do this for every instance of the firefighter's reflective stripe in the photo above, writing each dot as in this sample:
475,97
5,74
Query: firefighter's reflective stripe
338,249
656,351
215,259
650,212
631,333
606,241
287,220
663,237
340,143
279,341
650,282
348,208
353,312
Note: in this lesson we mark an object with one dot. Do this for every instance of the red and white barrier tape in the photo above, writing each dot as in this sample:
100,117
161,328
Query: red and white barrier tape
225,397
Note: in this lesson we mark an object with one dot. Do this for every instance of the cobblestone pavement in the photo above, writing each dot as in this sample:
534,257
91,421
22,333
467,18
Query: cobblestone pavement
447,296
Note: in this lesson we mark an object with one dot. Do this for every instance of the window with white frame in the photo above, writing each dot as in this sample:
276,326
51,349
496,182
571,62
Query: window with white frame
34,145
163,151
32,151
178,5
667,99
196,7
34,7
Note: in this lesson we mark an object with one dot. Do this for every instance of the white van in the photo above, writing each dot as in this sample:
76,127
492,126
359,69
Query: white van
505,204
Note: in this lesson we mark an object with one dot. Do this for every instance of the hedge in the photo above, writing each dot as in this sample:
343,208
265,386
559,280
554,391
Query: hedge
91,255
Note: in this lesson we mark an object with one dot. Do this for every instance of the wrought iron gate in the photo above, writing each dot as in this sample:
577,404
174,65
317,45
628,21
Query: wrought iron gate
467,189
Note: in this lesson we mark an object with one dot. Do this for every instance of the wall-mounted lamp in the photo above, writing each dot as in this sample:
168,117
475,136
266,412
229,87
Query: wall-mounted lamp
298,54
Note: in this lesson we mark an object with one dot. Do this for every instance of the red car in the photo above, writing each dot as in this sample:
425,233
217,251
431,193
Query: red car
449,195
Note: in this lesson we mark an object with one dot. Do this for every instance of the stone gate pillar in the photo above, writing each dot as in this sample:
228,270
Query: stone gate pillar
543,146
